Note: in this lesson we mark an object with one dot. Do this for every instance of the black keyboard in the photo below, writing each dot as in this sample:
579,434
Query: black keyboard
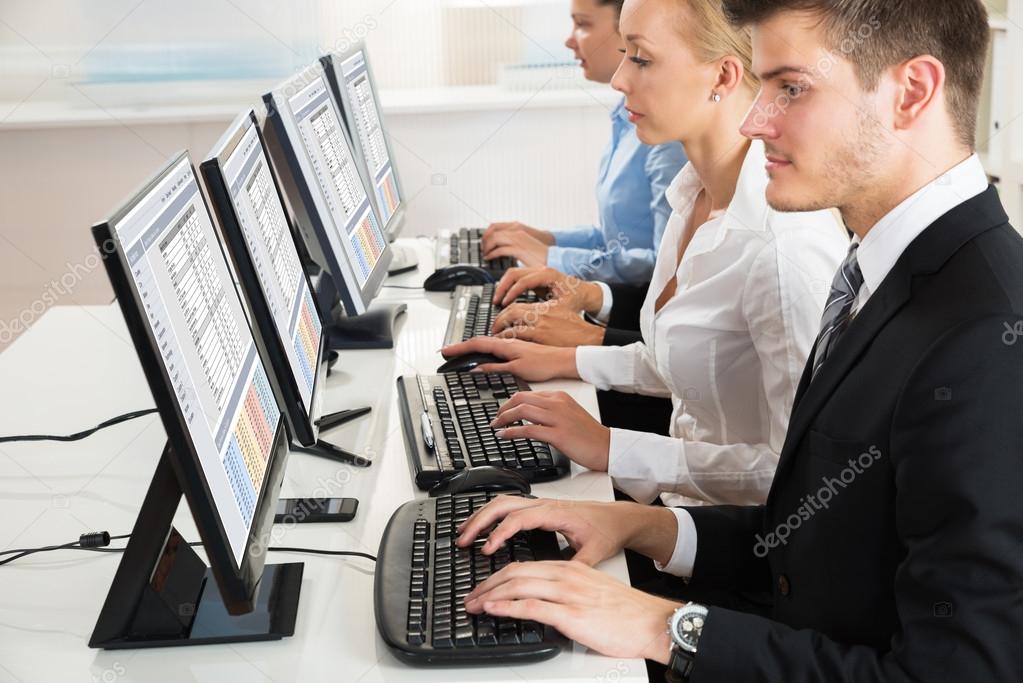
464,247
473,311
454,411
422,579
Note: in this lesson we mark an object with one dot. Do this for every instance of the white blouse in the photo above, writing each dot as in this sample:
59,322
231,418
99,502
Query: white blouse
728,347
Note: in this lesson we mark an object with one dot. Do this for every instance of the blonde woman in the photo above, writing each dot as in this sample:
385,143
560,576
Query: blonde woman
736,295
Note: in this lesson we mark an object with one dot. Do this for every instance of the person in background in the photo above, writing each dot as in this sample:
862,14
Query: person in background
631,181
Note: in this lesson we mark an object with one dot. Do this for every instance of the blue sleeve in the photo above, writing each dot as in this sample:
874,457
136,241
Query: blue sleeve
618,264
662,165
615,265
582,237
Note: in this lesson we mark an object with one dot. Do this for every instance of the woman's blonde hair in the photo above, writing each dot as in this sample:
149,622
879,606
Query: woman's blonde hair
712,36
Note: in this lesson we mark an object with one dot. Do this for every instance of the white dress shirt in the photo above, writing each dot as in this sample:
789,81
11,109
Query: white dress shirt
728,347
877,255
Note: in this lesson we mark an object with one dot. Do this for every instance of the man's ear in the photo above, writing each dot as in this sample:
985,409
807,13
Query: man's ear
920,87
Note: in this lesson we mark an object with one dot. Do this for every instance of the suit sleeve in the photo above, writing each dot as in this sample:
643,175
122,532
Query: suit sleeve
628,302
958,473
617,337
725,538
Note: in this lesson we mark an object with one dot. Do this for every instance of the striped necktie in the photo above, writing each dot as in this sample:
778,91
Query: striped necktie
839,311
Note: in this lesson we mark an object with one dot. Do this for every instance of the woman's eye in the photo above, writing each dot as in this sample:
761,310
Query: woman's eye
793,90
639,61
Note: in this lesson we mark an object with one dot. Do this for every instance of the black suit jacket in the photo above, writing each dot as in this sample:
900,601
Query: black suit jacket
907,563
623,323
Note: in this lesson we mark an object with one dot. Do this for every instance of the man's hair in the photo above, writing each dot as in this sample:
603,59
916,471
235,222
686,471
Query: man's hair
616,3
875,35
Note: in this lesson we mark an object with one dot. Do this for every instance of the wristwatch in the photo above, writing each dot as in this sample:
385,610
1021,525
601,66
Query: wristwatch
684,628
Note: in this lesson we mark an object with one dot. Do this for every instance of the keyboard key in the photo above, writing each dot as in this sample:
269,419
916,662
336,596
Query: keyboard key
507,634
442,639
464,637
532,632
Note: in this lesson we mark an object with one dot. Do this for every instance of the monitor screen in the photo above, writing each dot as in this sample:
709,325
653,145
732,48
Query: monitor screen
195,317
338,177
363,115
264,226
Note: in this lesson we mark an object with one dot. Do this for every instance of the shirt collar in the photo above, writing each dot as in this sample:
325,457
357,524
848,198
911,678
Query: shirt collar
891,235
620,113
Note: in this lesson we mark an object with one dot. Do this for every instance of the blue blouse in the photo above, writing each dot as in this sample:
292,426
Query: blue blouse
633,209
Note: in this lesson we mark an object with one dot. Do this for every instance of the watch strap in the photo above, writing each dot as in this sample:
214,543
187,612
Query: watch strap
681,663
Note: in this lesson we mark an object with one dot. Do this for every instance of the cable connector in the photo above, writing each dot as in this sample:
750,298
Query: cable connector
97,539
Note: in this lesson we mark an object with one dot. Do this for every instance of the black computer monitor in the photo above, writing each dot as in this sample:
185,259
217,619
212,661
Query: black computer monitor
327,186
351,81
259,239
226,443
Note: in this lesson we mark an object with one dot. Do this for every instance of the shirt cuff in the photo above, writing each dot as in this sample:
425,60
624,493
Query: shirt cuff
683,559
603,366
642,464
605,307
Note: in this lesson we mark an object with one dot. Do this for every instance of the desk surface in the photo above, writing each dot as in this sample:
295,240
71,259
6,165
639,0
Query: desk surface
77,367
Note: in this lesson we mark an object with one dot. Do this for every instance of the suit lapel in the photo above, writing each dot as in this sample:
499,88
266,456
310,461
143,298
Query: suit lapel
864,328
925,255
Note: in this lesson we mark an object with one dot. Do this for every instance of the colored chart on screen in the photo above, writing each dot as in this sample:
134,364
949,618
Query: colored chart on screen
207,350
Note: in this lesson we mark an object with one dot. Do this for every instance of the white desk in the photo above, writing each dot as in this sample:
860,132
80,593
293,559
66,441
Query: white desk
77,367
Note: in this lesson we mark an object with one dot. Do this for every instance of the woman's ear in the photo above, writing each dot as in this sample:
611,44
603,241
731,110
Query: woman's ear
729,75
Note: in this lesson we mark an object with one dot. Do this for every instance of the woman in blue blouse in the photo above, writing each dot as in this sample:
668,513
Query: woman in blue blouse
630,186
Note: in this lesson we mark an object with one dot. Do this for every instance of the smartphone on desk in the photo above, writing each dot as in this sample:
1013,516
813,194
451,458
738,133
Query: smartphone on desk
301,510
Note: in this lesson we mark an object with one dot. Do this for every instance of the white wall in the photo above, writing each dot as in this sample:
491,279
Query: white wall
537,164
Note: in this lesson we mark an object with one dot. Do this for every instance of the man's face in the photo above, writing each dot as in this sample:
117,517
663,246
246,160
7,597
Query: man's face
827,141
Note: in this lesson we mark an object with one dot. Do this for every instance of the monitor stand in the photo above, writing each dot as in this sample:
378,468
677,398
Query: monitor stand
405,259
371,330
163,594
329,451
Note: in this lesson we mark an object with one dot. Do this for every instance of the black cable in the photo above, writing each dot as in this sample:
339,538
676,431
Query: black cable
96,543
401,287
80,435
316,551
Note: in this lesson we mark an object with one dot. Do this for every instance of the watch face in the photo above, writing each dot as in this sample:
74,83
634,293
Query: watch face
689,630
687,626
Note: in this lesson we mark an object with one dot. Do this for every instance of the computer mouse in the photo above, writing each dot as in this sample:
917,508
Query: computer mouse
481,479
446,279
468,362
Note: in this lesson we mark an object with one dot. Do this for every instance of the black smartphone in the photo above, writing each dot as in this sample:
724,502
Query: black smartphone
300,510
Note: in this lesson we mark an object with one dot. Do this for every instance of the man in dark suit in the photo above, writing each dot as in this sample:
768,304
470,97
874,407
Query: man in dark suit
891,537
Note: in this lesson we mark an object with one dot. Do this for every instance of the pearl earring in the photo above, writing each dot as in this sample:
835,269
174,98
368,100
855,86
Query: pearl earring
715,97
